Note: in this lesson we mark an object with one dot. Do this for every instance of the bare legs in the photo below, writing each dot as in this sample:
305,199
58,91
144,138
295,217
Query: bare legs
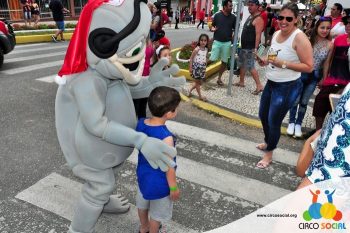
255,75
305,182
197,85
147,225
223,67
36,20
143,215
59,32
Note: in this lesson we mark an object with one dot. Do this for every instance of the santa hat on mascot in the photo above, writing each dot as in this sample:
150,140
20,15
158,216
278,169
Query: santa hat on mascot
75,60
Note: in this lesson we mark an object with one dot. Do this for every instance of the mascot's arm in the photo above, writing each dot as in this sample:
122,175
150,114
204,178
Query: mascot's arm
158,77
90,94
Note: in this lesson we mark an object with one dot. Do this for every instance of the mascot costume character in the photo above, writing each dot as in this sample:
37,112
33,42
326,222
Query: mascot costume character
95,115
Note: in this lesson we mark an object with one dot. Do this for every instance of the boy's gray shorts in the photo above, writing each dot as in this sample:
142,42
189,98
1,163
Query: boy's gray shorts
160,210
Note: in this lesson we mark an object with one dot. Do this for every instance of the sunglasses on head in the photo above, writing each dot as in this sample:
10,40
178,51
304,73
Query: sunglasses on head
288,18
325,18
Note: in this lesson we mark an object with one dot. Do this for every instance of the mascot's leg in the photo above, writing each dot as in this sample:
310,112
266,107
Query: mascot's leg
94,195
116,204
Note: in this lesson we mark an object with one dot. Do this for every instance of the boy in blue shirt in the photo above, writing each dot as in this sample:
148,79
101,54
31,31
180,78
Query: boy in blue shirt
157,189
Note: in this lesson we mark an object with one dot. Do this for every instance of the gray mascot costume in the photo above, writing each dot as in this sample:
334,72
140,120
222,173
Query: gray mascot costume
95,116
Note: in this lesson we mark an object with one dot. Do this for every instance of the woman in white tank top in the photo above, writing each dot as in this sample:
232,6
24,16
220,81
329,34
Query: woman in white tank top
283,78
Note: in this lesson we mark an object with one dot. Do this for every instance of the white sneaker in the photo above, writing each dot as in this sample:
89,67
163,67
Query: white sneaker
290,129
297,131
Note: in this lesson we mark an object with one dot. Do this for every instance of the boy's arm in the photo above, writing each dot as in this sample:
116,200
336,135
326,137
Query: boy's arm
171,175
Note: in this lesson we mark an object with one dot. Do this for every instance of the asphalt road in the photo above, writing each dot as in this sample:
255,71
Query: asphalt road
217,174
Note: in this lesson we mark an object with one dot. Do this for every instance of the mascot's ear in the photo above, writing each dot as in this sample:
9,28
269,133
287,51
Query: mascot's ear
104,42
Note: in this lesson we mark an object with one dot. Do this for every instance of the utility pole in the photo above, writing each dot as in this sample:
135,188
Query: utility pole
234,47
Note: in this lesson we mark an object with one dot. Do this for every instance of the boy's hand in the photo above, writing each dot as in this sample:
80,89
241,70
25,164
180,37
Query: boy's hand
175,195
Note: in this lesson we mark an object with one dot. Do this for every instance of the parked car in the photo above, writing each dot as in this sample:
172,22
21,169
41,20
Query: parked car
7,39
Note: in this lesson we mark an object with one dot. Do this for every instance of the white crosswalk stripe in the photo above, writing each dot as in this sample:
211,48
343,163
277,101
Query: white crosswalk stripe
58,194
31,50
47,79
32,67
32,57
29,45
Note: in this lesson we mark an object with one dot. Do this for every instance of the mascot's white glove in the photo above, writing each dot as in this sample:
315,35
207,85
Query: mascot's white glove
158,153
160,77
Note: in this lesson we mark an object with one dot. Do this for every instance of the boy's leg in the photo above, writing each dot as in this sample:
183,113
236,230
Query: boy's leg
142,209
143,216
153,226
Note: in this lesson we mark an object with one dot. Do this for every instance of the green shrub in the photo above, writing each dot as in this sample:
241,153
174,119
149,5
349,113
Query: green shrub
24,27
186,51
71,25
43,26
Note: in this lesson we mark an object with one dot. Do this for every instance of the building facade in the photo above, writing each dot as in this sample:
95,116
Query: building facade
12,9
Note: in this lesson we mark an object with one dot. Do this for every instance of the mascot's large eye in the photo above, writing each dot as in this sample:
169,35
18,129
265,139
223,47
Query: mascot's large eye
134,51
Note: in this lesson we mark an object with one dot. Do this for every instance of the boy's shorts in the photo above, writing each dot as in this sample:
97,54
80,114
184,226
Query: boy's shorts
246,59
160,210
220,51
60,25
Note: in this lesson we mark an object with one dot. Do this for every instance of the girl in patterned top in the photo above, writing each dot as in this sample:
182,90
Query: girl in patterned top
198,64
322,45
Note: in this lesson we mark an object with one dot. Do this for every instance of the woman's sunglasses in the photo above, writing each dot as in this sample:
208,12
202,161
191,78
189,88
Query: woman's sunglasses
288,18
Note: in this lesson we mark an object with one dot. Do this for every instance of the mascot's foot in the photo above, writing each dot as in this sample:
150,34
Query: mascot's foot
116,205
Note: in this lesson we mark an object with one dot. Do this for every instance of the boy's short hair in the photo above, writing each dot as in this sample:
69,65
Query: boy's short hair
225,2
162,100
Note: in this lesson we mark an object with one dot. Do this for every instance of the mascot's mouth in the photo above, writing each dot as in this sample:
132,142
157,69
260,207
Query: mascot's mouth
132,66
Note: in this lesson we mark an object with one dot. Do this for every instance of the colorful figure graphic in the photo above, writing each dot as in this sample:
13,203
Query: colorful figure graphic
329,196
315,195
327,210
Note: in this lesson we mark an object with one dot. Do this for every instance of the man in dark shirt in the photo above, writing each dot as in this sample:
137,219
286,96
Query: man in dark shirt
58,16
223,26
250,41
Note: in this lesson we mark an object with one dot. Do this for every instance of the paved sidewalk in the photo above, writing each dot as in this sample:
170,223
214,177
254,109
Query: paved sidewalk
243,103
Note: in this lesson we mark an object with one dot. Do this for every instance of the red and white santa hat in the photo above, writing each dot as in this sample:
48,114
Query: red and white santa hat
75,60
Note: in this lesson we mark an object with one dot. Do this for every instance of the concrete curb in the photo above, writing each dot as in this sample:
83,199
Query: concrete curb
39,38
226,113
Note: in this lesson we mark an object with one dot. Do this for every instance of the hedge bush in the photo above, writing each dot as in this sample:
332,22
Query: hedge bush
19,27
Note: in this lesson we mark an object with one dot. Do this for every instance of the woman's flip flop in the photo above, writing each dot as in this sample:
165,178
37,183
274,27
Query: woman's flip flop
257,92
263,164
